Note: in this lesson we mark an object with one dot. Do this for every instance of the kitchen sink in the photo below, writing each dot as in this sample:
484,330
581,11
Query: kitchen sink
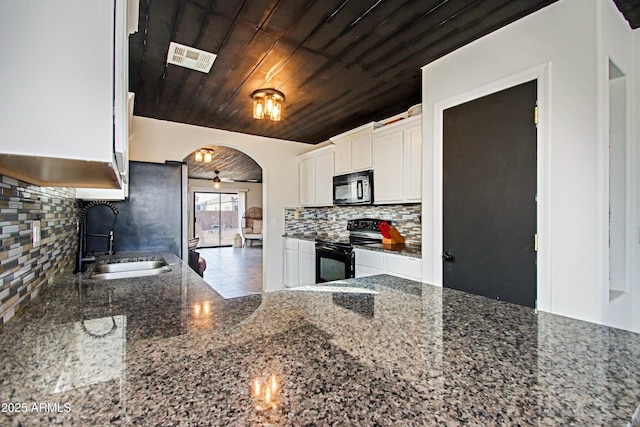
124,269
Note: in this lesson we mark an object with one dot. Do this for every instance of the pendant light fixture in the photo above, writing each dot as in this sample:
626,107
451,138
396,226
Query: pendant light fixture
216,180
204,155
267,102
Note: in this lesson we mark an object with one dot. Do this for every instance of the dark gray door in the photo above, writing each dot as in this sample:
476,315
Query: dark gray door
489,196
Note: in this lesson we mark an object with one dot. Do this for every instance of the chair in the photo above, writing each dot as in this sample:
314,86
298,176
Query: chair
196,262
252,225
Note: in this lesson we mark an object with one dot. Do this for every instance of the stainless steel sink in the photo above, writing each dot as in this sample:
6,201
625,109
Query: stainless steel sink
123,269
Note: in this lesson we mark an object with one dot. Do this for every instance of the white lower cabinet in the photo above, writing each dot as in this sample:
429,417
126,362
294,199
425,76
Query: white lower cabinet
369,263
403,266
291,264
299,262
306,263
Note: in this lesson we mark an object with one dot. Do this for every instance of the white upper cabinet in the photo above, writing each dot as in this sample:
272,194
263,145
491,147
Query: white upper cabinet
397,162
387,168
122,159
307,181
413,163
353,149
63,104
324,178
316,177
343,157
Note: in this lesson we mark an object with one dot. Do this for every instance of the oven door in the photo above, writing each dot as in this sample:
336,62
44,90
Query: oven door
333,263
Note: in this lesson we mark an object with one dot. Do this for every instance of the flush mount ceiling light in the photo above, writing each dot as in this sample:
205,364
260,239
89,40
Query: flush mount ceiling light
204,155
216,180
267,102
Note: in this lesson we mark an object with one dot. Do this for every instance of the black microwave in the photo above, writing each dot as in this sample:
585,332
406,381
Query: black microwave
353,189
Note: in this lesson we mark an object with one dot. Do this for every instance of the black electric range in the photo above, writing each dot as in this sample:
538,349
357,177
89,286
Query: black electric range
335,259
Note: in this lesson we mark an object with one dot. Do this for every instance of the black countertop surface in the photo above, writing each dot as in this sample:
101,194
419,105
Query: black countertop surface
168,350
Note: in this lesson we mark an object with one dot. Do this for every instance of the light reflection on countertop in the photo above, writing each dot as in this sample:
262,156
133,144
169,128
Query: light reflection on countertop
392,352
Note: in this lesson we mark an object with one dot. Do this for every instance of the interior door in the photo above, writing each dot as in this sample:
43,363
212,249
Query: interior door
489,196
215,218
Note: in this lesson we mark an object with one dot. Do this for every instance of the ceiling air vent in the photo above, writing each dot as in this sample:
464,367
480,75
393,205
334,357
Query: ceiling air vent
190,57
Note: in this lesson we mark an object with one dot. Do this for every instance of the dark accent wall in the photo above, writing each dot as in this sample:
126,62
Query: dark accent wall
151,217
26,270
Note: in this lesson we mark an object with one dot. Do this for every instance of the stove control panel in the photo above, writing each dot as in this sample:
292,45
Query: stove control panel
365,224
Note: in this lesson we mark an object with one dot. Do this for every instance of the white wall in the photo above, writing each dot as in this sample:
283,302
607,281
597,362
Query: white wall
616,45
634,235
564,46
157,141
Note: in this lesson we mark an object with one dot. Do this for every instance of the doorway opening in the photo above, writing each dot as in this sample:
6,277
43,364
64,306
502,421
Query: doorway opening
223,183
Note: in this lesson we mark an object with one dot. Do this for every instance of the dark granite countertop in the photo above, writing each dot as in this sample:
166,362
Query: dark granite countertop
411,249
167,350
300,236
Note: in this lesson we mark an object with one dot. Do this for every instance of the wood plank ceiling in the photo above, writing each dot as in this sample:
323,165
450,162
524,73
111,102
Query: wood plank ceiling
340,63
233,165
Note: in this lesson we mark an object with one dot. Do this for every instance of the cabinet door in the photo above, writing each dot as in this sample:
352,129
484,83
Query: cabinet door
368,263
413,164
361,152
343,157
72,103
291,268
403,266
307,181
371,259
324,179
388,175
364,271
306,268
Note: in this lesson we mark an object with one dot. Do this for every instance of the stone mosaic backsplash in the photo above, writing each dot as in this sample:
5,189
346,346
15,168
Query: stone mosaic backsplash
26,270
333,219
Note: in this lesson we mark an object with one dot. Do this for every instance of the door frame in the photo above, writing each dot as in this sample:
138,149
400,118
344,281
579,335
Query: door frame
193,218
541,73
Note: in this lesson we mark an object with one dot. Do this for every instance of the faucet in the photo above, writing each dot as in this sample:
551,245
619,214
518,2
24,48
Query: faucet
81,257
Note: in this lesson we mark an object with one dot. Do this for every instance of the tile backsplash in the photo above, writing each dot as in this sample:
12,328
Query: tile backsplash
26,270
333,219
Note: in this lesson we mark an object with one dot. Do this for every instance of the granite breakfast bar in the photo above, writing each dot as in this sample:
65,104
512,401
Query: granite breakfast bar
167,350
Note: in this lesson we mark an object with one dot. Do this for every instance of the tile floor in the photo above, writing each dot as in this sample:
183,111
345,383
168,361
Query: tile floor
233,272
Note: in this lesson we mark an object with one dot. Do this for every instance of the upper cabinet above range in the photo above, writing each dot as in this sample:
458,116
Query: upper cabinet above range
354,149
63,101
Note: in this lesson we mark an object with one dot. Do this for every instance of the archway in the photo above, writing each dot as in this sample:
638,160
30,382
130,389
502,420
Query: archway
223,183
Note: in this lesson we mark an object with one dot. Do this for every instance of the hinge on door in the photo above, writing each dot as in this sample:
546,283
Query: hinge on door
535,115
535,242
